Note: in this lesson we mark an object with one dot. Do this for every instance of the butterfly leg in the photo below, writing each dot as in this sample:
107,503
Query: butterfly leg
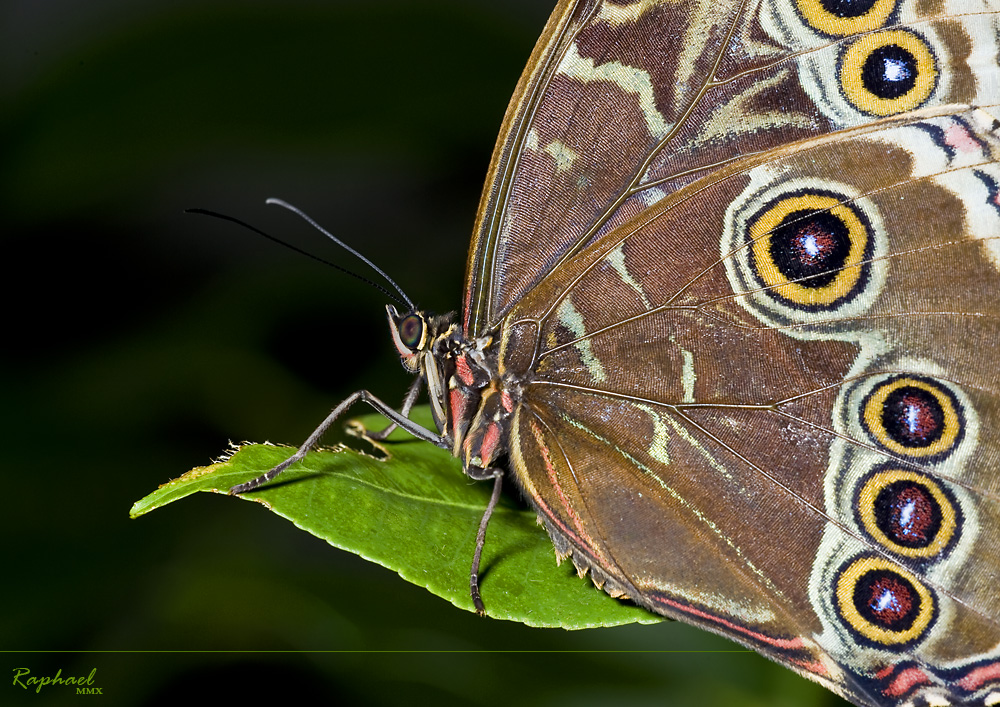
482,475
398,419
408,401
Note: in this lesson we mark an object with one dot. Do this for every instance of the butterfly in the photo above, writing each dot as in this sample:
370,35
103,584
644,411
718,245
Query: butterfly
729,326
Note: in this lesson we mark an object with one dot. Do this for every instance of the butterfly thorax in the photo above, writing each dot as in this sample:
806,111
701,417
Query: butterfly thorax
471,403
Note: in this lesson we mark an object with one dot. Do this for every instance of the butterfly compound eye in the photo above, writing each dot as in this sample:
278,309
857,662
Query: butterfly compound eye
411,331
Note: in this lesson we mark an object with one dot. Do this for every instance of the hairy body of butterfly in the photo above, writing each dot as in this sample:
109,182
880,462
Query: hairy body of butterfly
731,314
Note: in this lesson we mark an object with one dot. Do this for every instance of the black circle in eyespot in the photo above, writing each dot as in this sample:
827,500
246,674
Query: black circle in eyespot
908,514
889,72
809,247
847,8
887,599
411,330
913,417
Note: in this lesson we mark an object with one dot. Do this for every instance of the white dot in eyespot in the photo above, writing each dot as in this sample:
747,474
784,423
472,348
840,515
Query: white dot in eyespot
907,515
913,420
811,246
885,601
895,70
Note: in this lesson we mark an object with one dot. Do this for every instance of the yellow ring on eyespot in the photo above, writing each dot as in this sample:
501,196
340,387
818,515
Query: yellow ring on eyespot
846,584
821,19
762,229
881,480
852,65
872,418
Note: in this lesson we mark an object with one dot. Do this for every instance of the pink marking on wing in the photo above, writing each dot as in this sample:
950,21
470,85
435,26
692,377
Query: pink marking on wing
489,446
885,672
906,681
977,677
797,642
813,666
551,470
463,371
547,511
959,138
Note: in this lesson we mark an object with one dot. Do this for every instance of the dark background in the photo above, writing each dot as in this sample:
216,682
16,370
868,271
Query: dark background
143,340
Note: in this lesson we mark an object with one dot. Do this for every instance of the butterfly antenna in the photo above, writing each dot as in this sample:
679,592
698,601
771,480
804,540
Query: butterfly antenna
308,219
384,291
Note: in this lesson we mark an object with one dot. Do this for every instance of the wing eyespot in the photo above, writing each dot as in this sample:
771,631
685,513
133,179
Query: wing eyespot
887,73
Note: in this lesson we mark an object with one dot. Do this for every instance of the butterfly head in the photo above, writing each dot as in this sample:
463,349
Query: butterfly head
414,334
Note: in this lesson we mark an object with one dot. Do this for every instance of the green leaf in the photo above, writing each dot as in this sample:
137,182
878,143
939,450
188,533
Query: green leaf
411,509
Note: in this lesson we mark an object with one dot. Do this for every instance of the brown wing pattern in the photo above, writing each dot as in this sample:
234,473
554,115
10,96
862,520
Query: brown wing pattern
624,102
731,437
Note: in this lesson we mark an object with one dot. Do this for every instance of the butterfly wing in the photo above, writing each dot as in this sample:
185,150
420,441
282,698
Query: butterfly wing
766,405
624,102
732,285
